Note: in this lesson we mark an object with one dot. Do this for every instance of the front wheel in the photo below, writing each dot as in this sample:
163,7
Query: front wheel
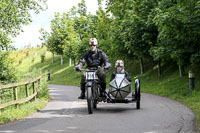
95,96
89,100
95,104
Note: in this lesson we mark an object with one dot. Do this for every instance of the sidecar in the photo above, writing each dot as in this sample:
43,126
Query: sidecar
120,91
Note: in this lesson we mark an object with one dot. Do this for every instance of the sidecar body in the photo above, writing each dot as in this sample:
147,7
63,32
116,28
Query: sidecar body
120,87
120,91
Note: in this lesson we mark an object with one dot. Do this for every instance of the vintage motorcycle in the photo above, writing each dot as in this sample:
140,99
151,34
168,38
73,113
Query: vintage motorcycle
119,89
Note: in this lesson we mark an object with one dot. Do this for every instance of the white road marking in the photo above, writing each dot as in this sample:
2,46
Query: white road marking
7,131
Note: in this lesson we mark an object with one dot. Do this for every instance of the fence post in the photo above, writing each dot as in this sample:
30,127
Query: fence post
49,77
15,95
27,92
34,90
39,83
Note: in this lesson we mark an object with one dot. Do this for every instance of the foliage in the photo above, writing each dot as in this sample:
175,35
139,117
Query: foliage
7,71
63,37
14,14
177,24
42,56
33,59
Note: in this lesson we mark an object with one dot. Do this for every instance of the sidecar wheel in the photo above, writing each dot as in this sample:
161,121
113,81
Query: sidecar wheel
89,100
95,104
137,93
138,104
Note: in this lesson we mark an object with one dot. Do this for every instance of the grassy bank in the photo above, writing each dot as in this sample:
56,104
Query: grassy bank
22,61
13,113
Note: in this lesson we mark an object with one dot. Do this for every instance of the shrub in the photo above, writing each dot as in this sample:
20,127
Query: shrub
8,73
33,59
27,53
20,61
42,56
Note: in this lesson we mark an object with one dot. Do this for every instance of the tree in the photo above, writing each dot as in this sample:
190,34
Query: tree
14,14
82,9
63,38
178,31
84,26
136,35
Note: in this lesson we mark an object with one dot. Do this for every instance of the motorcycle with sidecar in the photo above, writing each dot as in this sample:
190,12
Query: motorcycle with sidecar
118,92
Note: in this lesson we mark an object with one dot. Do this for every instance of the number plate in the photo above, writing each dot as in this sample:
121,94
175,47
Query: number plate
91,76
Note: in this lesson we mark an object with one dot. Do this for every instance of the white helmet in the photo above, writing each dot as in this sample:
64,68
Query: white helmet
93,41
119,63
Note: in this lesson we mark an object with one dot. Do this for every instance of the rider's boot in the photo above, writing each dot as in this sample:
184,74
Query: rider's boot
102,92
82,96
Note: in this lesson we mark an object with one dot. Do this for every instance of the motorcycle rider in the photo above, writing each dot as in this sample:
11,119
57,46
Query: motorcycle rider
94,58
119,65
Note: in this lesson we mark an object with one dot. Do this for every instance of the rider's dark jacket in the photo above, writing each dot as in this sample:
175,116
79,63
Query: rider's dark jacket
126,76
94,59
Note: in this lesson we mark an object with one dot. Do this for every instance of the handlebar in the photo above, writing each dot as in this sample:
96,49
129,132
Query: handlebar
91,69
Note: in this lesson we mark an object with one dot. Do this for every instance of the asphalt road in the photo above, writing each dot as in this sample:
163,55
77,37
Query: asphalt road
66,114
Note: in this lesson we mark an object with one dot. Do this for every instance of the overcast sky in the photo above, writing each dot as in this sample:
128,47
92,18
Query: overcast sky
31,32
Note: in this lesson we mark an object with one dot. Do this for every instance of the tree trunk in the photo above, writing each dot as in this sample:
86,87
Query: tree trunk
141,66
181,70
159,68
52,58
70,61
61,59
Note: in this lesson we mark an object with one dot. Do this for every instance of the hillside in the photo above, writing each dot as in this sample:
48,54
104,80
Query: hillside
170,84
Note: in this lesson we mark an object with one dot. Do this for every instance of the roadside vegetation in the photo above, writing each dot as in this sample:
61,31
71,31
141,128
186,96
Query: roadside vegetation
22,60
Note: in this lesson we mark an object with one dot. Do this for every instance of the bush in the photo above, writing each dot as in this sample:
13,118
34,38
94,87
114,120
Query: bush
33,59
8,73
44,93
27,53
20,61
42,56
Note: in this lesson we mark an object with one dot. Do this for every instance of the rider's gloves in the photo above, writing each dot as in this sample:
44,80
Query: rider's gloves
78,67
107,66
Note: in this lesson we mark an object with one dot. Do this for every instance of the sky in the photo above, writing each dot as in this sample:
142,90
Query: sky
31,32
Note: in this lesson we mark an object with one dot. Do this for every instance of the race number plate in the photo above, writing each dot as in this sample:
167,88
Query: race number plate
90,75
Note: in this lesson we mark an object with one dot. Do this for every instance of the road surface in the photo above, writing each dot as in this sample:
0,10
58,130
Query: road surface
66,114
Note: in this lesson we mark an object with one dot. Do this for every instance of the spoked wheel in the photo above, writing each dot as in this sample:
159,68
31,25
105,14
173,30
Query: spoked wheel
138,104
137,93
95,104
90,100
96,97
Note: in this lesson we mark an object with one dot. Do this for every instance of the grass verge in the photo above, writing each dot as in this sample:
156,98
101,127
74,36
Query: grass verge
12,113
